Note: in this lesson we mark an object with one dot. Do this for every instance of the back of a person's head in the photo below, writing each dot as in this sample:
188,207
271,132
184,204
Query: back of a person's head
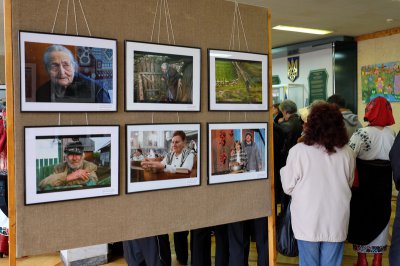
325,126
337,99
288,106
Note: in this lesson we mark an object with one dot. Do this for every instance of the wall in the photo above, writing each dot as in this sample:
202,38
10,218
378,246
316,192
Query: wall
321,59
376,51
63,225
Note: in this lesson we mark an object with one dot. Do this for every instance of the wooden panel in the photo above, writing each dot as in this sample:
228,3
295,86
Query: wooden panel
378,34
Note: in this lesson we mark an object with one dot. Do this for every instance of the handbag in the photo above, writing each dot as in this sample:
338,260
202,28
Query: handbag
286,242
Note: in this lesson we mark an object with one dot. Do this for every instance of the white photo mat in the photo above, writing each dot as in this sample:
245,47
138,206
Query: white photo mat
32,137
78,41
239,130
161,129
130,49
232,55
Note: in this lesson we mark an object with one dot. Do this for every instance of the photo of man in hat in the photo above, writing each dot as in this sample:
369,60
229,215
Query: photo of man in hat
73,171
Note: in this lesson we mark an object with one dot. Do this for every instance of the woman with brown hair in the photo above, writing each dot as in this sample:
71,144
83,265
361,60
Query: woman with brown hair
318,176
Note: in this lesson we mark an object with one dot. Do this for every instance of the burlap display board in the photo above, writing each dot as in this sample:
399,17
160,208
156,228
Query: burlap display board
62,225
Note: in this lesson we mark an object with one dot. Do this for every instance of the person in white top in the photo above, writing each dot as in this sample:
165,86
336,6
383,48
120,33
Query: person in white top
179,157
371,201
318,175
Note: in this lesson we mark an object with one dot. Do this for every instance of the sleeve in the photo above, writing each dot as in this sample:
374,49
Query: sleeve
356,142
259,162
92,170
54,180
291,172
394,156
352,167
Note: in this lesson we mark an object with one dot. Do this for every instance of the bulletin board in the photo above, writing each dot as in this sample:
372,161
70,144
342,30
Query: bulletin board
44,228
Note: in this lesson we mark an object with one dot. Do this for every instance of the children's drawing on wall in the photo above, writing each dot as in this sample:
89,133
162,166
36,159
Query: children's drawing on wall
381,80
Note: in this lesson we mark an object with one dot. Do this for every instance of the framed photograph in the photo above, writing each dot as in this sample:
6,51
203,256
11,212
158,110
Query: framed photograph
237,152
161,156
71,162
63,73
237,81
161,77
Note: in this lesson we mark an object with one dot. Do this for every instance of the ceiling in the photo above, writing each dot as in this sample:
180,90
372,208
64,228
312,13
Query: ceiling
343,17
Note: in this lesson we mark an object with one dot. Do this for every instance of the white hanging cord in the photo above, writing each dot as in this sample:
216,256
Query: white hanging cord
55,18
177,114
84,16
244,33
170,22
87,120
166,19
66,18
229,117
159,25
152,117
235,34
163,4
59,119
237,24
245,116
154,21
232,41
76,24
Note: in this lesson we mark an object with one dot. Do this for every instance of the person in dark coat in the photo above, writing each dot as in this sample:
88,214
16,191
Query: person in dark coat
394,155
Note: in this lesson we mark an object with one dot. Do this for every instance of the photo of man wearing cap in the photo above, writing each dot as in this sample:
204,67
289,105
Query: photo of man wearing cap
73,171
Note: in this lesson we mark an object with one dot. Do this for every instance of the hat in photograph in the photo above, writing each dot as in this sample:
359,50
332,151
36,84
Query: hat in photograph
74,148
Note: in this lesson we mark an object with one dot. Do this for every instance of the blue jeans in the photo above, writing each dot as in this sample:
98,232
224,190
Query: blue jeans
320,253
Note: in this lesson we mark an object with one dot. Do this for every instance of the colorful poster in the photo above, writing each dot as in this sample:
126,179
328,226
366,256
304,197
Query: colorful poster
381,80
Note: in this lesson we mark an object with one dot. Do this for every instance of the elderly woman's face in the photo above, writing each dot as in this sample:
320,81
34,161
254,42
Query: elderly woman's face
61,69
177,144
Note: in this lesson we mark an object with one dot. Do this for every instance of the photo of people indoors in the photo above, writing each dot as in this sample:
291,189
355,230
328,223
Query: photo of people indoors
161,155
68,74
72,163
163,78
237,151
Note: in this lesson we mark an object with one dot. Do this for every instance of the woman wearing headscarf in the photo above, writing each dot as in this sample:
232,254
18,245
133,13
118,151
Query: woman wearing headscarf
370,206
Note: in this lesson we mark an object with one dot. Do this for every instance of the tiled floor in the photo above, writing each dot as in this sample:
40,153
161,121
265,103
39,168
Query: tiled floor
53,259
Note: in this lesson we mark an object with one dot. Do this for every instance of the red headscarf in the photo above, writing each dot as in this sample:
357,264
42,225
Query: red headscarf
379,112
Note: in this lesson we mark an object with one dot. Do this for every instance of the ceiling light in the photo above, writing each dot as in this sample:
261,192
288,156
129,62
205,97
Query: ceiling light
302,30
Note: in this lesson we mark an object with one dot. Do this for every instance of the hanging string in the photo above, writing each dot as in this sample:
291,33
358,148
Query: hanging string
76,24
229,117
237,24
152,117
55,18
87,120
159,25
244,33
232,41
170,22
84,16
177,114
59,119
66,18
163,4
245,116
237,19
166,20
154,22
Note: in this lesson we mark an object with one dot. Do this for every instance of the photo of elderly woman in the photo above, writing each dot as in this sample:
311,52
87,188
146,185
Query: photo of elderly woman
57,71
169,157
237,152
